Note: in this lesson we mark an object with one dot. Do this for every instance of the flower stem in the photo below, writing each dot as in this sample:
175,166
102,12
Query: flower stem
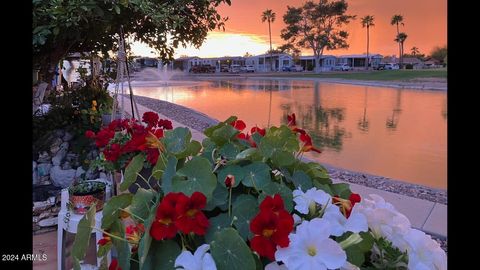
230,203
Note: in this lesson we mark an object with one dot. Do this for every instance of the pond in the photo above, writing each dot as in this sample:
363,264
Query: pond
396,133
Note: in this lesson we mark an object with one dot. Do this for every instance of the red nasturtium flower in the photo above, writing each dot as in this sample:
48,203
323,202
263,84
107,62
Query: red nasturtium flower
271,227
190,216
238,124
105,240
133,233
292,120
180,212
307,143
114,265
163,227
346,206
260,131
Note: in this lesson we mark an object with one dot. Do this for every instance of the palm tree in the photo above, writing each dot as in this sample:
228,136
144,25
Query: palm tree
269,16
415,51
396,20
401,39
367,21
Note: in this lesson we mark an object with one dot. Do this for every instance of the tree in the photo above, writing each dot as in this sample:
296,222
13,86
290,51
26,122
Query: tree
367,21
415,51
316,26
401,39
397,20
269,16
439,53
60,27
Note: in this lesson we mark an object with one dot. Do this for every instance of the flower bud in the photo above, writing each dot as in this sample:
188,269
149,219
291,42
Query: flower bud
230,181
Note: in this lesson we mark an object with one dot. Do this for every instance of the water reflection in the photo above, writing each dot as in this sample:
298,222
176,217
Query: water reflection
444,109
363,123
356,127
392,121
322,123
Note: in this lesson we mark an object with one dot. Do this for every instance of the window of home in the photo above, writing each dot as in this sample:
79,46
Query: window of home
260,61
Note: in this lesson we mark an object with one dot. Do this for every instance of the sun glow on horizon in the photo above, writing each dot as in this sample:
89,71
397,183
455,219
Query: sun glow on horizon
217,44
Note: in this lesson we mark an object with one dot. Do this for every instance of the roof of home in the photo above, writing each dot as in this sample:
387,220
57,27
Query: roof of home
360,56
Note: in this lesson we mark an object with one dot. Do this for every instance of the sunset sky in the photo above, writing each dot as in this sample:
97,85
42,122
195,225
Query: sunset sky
425,24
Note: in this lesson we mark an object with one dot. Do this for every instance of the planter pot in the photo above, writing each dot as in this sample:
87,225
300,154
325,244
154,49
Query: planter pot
82,200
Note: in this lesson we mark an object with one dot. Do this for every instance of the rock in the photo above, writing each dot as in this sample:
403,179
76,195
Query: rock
48,222
44,157
45,182
46,214
60,155
34,174
62,178
55,146
91,174
103,176
92,154
39,207
44,169
59,133
71,157
79,172
35,219
66,165
67,137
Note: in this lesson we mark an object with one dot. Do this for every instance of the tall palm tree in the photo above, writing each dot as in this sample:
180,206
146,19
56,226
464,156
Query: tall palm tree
269,16
401,39
367,21
415,51
397,20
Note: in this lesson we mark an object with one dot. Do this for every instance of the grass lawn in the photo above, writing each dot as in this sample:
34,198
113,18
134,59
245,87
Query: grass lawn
378,75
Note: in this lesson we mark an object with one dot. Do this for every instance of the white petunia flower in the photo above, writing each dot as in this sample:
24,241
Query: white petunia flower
305,201
384,220
275,266
201,260
311,248
424,252
356,222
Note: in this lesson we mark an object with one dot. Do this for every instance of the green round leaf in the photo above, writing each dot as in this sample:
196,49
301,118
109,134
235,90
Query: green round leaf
198,172
217,224
244,208
257,175
230,252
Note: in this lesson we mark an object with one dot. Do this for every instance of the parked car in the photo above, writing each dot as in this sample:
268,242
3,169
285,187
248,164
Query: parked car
342,67
234,69
224,68
292,68
388,66
297,68
202,69
250,68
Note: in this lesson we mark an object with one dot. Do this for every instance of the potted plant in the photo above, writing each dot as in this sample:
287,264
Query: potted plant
123,140
245,201
83,194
